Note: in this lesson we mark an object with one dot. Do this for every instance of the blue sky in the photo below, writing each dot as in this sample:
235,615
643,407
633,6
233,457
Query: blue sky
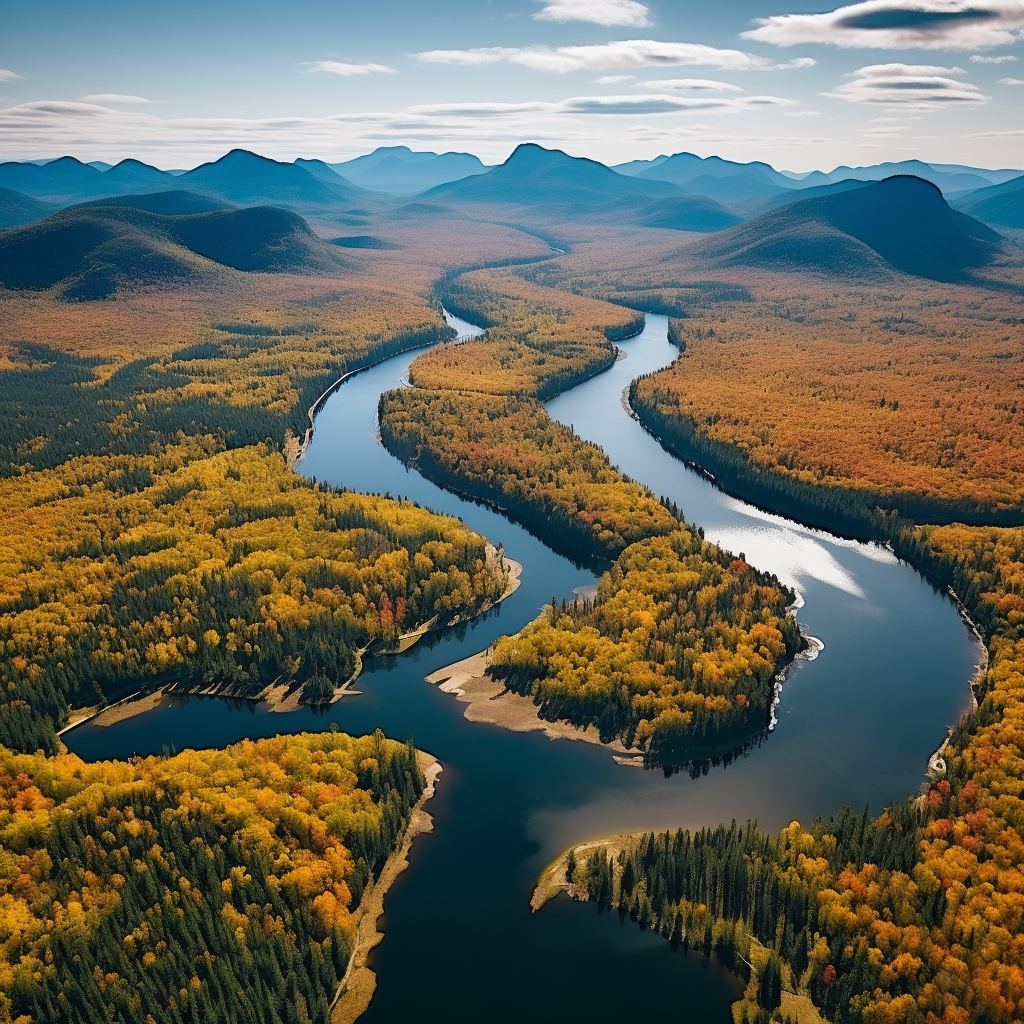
797,83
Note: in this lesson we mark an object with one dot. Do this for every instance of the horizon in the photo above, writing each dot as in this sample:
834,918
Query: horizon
797,175
612,80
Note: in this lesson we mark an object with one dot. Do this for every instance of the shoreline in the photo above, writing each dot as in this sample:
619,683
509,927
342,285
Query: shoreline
490,702
356,988
280,698
295,449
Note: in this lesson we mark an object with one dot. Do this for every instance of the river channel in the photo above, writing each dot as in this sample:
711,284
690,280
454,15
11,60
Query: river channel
856,725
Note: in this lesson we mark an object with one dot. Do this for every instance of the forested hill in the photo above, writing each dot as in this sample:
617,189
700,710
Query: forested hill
88,252
901,223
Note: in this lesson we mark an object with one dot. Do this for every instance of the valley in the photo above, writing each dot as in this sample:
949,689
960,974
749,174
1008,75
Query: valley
838,352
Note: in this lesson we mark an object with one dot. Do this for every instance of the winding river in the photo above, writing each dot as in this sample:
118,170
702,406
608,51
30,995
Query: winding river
856,726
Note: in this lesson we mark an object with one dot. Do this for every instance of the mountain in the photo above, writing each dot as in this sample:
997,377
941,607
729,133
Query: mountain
57,179
534,176
900,223
734,184
1001,205
69,180
16,208
949,178
89,251
399,170
132,176
243,177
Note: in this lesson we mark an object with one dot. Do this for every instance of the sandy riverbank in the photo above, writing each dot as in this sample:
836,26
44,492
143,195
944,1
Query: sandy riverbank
360,982
488,701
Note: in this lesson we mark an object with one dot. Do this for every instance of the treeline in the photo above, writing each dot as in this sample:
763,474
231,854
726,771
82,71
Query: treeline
215,885
241,387
718,889
854,512
201,569
906,398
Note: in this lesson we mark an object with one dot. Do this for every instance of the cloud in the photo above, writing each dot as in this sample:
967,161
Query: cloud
1011,81
7,75
803,113
1006,58
652,104
114,97
901,24
1013,133
625,53
688,85
600,12
336,67
916,86
612,79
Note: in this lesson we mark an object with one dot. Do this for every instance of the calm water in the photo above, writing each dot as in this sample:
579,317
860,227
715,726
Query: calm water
855,726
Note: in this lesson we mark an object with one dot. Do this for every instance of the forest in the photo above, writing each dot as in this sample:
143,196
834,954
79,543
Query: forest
205,569
216,885
913,915
678,652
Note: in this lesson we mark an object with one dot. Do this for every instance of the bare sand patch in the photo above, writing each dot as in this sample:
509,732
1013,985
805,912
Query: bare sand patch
488,701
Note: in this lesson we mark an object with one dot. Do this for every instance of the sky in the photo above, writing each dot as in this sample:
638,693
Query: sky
800,84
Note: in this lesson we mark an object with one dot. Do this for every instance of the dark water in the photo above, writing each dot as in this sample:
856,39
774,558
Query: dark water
855,726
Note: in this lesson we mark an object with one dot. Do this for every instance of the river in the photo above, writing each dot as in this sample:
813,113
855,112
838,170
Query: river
856,726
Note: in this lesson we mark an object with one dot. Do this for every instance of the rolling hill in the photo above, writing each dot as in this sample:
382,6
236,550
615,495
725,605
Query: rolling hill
173,203
901,223
88,252
16,208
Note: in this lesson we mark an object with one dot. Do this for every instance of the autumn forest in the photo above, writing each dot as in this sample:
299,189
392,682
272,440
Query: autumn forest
162,366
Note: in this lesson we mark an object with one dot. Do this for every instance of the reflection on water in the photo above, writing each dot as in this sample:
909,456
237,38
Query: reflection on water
855,726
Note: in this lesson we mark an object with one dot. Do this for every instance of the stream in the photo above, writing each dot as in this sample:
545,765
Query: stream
856,725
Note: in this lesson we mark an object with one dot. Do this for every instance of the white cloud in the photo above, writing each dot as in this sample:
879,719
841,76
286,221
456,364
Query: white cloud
901,24
1011,81
916,86
336,67
600,12
688,85
114,97
1013,133
625,53
652,104
612,79
803,113
1006,58
7,75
